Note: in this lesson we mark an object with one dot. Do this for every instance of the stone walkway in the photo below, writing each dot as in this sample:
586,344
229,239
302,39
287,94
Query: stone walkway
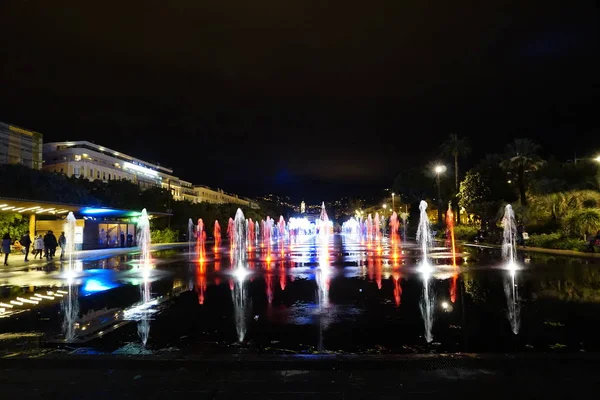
337,377
16,262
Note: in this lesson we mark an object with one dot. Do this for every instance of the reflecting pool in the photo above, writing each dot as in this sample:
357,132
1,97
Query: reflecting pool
320,293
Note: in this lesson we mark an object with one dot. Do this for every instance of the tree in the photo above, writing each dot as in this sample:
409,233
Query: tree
14,224
522,158
485,189
456,147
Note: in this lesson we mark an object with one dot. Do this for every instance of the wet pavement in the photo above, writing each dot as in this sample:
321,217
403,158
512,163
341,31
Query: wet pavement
304,296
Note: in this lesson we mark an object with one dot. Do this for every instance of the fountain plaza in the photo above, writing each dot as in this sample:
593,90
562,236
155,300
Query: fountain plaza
279,288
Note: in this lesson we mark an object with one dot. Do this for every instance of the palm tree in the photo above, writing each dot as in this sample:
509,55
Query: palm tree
456,147
522,157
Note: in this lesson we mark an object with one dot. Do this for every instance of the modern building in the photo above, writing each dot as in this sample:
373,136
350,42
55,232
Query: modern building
20,146
95,227
92,161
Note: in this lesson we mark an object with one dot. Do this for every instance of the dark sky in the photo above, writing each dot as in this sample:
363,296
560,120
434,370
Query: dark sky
313,98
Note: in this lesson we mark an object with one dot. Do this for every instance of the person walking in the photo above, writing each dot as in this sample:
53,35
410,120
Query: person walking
50,243
38,247
26,243
62,242
6,247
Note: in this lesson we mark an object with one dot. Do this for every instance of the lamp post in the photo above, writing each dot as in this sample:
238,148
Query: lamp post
393,195
439,169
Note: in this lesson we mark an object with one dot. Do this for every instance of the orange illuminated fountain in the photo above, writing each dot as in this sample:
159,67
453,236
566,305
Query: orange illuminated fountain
450,232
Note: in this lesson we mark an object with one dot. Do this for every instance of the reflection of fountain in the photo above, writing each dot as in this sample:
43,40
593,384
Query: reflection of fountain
144,240
322,277
397,288
453,283
427,305
238,295
70,308
200,283
511,291
144,322
424,234
509,252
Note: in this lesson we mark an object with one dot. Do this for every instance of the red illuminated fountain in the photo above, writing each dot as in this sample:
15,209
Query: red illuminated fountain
217,234
200,239
231,231
250,234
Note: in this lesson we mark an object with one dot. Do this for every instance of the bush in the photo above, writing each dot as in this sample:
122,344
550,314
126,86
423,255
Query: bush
164,235
465,232
580,222
556,241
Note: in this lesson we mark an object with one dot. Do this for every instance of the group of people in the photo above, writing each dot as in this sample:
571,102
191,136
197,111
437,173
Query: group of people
42,246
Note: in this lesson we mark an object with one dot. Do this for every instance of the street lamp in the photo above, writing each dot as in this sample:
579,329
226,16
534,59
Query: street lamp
597,159
439,169
384,206
393,194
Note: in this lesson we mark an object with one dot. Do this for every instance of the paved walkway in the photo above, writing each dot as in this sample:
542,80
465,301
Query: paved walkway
557,252
280,377
16,262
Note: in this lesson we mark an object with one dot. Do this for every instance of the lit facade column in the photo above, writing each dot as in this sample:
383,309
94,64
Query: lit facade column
32,226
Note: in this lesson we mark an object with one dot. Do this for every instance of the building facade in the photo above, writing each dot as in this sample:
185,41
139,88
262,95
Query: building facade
92,161
20,146
204,194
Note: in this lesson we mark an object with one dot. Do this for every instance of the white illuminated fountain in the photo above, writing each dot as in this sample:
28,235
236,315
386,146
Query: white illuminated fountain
190,235
427,303
509,237
323,223
404,217
240,273
144,241
424,235
70,303
509,254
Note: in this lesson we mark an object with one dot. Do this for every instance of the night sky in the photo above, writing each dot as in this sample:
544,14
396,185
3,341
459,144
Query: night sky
316,99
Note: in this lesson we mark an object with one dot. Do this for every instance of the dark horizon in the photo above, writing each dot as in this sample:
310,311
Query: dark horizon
316,102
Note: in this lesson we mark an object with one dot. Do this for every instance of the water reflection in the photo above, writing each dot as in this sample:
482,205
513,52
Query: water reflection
511,290
240,302
144,322
427,304
70,309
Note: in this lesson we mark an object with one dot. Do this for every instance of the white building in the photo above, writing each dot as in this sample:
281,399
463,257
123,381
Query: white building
84,159
91,161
